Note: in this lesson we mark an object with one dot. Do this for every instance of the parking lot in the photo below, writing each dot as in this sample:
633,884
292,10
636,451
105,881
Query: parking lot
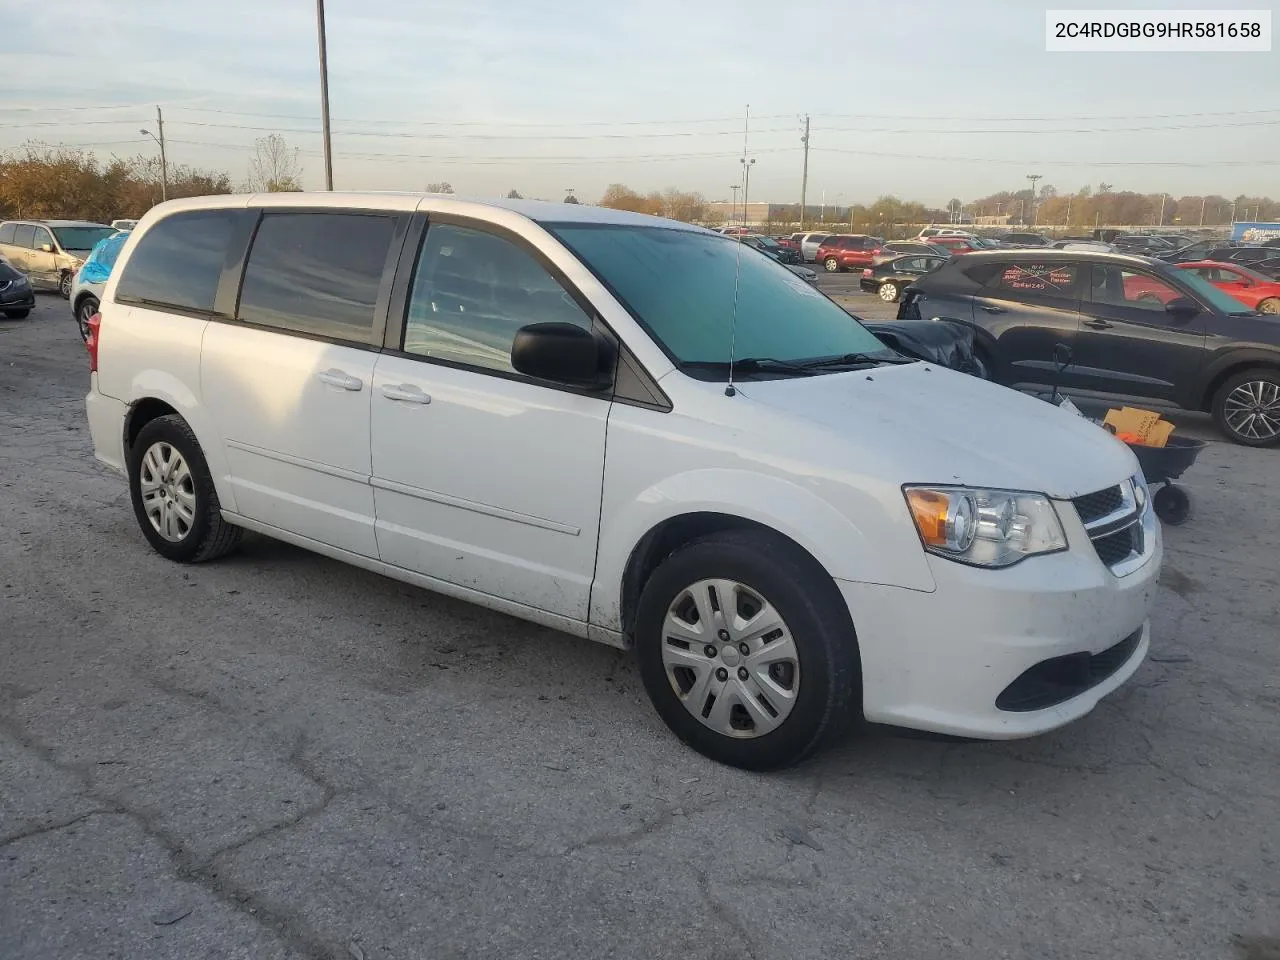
277,755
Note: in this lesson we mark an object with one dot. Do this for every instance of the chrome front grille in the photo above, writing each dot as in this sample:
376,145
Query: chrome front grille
1113,520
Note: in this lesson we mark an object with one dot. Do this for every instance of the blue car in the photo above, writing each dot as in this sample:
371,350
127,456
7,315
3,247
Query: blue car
86,288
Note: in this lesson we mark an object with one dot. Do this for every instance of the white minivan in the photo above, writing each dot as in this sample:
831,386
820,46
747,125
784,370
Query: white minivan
532,406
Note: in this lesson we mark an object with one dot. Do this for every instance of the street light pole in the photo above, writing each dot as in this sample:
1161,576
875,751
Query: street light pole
733,215
1033,177
1203,201
746,186
324,97
164,163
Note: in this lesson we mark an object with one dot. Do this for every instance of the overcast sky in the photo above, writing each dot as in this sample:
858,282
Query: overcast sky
923,99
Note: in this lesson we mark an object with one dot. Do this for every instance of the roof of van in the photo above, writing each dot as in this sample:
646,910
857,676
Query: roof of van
541,211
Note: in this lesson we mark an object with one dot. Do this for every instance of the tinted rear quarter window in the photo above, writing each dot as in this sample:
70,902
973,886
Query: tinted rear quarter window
6,232
178,261
24,236
1028,279
317,273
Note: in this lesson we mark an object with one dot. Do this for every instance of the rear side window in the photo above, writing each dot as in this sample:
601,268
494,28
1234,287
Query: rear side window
1055,281
6,232
317,273
178,261
25,236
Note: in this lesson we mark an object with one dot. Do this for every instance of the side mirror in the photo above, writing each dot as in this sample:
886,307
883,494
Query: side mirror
562,352
1062,356
46,248
1182,308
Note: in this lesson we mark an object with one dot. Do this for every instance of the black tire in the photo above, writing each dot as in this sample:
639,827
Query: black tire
1172,505
209,536
1268,376
64,286
832,265
85,309
17,314
805,596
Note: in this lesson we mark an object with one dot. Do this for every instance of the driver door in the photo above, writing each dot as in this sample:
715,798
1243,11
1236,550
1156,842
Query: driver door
1129,343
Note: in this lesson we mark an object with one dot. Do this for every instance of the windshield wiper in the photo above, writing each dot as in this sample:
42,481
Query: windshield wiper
752,365
853,359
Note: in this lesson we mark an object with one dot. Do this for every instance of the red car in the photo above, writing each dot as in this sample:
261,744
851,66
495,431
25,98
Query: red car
841,251
1251,288
954,245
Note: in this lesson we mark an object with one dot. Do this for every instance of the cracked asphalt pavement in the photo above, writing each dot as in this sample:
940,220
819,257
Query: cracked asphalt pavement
278,756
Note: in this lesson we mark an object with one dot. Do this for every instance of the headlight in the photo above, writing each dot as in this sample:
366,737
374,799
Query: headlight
985,528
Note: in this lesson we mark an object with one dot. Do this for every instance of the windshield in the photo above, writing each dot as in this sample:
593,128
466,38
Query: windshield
81,238
768,242
1220,301
680,286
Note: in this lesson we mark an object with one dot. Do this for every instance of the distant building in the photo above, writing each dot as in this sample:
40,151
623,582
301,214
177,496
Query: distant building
1000,221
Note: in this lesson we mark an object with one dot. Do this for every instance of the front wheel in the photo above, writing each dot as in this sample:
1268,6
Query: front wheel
888,292
832,264
747,650
87,308
1247,407
17,314
173,495
1270,306
64,286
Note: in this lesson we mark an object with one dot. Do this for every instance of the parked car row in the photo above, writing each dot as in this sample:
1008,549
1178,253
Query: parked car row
49,252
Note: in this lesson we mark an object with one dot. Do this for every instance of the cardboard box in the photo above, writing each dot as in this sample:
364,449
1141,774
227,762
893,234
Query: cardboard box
1134,425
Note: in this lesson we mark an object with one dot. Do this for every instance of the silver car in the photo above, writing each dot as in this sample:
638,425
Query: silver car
91,277
809,244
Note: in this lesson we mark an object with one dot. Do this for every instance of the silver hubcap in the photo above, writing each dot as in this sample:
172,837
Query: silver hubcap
730,658
1269,306
888,292
832,265
1252,410
168,491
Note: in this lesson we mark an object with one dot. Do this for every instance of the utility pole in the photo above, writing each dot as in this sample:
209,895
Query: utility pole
1033,177
1162,199
1203,201
804,177
164,163
1067,222
324,98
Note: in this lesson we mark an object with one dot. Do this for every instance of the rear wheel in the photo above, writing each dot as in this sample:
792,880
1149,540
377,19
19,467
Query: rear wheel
64,286
1247,407
173,495
1270,305
746,649
888,291
832,264
87,307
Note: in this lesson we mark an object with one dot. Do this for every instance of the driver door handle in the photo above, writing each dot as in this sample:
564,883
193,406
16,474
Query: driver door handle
1098,324
992,308
405,392
340,378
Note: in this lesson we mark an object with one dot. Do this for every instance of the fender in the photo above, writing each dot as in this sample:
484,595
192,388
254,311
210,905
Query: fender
156,384
1236,358
890,554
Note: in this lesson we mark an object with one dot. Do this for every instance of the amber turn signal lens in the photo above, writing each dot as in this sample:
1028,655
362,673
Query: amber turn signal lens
930,512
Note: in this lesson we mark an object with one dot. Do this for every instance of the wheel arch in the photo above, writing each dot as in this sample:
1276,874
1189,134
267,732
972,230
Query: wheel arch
1228,367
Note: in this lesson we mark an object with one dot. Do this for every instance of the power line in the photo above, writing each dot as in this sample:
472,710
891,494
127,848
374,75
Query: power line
1051,163
1057,130
1132,116
483,123
472,136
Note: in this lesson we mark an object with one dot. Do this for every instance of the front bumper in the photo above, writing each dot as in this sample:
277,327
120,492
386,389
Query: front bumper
939,661
22,299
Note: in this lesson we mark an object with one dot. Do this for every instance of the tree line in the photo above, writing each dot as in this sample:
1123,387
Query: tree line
42,181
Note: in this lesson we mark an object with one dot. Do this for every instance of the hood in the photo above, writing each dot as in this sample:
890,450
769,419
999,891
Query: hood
927,424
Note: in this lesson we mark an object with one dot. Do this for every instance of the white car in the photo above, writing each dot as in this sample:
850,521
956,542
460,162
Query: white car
530,406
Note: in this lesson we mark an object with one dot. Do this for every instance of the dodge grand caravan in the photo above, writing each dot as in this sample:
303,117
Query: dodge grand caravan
533,407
